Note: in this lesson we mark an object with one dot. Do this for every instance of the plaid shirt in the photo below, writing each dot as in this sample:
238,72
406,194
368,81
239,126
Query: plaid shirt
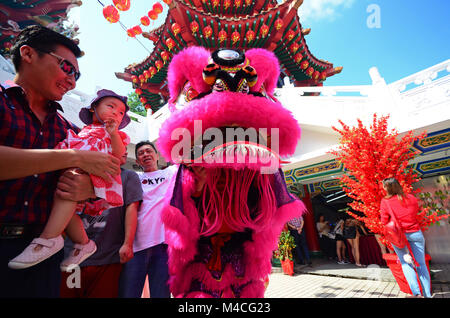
296,222
28,200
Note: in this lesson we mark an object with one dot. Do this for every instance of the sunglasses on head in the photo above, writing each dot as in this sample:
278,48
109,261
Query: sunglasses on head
65,65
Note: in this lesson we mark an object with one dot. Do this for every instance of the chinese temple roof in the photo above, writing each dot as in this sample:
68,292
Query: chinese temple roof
18,14
240,24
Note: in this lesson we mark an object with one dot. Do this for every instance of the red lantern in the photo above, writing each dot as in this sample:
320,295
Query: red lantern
170,43
159,64
248,2
323,76
222,36
310,71
207,31
294,47
226,4
264,30
235,37
176,28
146,74
130,33
143,100
158,8
145,21
137,30
278,24
316,75
138,91
298,57
290,34
122,5
304,65
165,55
111,14
134,78
194,27
152,15
250,35
152,71
237,3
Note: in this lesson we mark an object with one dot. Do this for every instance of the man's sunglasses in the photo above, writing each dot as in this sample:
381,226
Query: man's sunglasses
65,65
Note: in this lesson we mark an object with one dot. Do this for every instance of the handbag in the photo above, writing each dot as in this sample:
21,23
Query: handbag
393,231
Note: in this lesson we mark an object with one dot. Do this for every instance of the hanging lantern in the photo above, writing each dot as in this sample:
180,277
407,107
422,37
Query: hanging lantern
323,76
304,65
159,64
194,27
137,30
278,24
158,8
170,43
122,5
290,34
134,78
264,30
146,74
145,21
298,57
294,47
167,1
215,3
237,3
316,75
152,15
176,28
130,33
250,35
111,14
143,100
138,91
222,36
164,55
152,71
310,71
226,4
142,78
207,31
248,2
235,37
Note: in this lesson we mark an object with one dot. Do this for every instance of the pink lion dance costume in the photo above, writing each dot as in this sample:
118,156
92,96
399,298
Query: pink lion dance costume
221,242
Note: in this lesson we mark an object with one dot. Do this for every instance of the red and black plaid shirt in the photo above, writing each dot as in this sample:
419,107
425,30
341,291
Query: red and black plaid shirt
28,200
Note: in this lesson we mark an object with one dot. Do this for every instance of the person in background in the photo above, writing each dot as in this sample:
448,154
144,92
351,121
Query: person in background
340,241
150,250
352,231
405,208
296,229
326,243
113,231
30,169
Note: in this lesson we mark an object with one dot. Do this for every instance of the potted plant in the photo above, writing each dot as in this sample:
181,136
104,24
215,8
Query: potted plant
284,252
369,156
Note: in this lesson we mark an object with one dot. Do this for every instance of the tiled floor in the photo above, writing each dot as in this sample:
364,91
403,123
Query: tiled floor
330,280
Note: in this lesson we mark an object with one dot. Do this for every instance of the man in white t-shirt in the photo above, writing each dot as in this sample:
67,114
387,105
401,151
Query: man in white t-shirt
150,250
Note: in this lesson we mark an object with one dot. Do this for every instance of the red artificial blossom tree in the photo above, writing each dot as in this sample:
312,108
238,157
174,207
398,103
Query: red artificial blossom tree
370,156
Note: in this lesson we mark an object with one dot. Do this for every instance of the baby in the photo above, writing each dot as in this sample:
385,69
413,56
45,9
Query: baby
104,117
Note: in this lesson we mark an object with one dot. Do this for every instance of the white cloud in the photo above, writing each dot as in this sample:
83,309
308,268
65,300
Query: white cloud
323,9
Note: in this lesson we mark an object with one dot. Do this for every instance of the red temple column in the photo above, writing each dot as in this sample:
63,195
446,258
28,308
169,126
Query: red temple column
310,223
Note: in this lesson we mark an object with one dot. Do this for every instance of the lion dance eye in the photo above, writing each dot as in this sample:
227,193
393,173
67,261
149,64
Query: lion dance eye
210,73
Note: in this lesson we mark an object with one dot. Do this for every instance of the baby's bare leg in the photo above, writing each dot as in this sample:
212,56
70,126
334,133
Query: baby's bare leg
75,230
61,214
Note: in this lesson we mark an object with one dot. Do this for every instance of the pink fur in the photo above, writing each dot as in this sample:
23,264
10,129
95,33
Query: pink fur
226,108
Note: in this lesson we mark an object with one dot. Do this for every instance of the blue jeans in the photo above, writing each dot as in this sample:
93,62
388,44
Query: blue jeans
417,243
152,262
301,249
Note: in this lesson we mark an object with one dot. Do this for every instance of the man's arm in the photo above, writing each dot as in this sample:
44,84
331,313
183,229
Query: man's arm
18,163
126,251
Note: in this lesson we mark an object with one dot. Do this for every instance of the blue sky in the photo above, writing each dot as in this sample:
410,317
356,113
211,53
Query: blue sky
405,36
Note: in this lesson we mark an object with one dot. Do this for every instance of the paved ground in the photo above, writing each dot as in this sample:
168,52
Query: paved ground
330,280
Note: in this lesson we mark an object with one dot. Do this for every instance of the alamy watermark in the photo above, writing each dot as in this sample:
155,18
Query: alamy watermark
374,19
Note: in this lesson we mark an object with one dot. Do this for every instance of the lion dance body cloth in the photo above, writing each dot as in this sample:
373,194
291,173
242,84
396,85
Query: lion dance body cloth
225,120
